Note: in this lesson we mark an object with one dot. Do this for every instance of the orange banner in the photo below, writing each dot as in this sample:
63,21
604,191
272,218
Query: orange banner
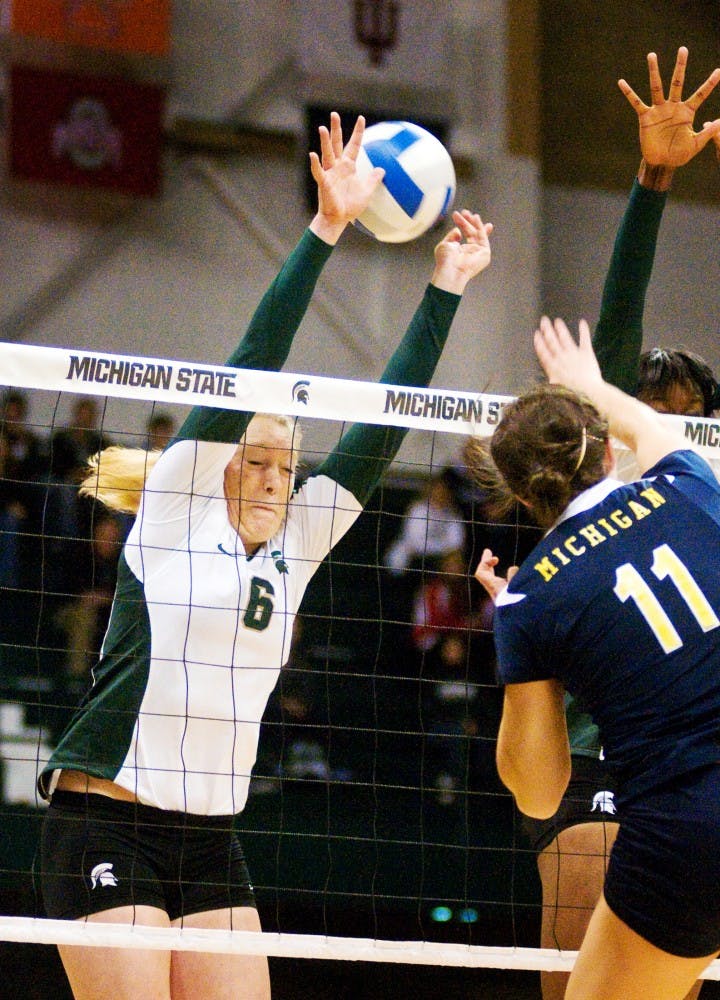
131,26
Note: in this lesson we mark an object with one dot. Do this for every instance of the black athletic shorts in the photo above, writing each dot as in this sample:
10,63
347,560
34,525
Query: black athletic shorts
97,853
663,879
590,798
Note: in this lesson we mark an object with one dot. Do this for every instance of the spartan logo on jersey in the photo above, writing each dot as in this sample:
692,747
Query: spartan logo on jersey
280,565
604,802
102,875
300,392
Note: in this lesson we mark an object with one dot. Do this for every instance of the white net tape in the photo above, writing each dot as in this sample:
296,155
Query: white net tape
313,396
35,931
312,946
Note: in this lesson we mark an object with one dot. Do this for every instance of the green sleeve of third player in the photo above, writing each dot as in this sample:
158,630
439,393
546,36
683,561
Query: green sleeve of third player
619,332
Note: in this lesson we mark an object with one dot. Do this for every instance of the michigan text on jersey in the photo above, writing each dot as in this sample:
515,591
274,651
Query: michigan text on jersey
599,531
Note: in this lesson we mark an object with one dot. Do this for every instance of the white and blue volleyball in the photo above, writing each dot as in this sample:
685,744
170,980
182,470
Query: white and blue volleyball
419,183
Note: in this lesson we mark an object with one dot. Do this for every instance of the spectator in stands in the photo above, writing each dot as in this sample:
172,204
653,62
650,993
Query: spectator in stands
442,603
159,430
25,460
432,526
451,636
72,446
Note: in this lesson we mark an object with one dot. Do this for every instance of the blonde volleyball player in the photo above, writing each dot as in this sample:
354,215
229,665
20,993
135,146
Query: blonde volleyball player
149,775
618,604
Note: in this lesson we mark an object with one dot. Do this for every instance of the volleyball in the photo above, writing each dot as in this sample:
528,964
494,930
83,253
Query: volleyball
419,183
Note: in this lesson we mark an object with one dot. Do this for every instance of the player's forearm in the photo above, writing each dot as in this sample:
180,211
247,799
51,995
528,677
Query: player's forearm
366,450
269,336
635,424
533,754
619,333
537,790
268,339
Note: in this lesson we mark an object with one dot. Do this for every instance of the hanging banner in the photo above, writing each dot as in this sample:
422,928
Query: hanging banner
85,131
376,54
128,26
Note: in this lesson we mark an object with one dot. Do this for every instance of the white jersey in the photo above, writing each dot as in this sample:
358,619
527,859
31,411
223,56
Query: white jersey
214,629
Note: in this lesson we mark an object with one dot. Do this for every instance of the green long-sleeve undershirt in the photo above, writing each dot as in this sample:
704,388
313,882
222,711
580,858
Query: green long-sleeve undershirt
619,331
267,341
365,451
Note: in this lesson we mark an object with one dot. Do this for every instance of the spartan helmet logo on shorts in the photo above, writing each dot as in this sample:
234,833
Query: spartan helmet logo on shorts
604,802
102,874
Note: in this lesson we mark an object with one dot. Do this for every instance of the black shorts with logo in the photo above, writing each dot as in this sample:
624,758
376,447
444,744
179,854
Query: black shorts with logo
589,798
663,879
97,853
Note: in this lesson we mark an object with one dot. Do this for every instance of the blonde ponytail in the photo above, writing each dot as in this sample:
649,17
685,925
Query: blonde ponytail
116,477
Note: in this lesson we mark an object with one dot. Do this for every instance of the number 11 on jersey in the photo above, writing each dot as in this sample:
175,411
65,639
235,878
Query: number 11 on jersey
666,565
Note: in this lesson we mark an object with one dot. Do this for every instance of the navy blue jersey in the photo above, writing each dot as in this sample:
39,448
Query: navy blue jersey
621,602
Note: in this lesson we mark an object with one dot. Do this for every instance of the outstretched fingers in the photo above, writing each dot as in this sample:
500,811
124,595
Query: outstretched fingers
543,342
554,347
472,226
707,133
678,77
336,139
327,156
637,103
656,88
355,141
563,360
331,141
553,336
704,90
315,167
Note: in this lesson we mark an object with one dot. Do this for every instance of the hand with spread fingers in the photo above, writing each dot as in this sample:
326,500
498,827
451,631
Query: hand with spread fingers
566,361
667,137
343,194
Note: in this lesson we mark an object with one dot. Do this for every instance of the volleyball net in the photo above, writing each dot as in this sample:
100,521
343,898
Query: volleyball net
376,828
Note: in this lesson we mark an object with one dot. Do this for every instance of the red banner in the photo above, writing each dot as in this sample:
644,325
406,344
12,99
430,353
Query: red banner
85,131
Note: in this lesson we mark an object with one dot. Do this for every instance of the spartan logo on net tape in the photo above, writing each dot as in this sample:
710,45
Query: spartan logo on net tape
301,392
